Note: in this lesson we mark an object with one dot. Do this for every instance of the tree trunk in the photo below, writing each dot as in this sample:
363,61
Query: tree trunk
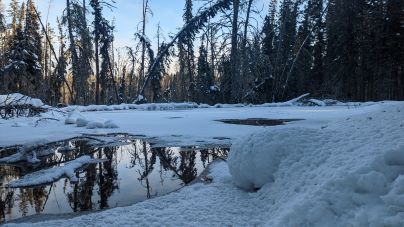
234,56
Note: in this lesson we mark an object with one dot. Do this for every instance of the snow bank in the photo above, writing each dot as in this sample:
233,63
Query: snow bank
350,172
50,175
176,106
19,99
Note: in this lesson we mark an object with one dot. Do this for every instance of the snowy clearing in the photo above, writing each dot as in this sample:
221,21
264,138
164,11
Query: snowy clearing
338,167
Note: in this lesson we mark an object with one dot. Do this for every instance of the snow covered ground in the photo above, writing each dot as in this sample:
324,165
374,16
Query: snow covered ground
174,127
339,167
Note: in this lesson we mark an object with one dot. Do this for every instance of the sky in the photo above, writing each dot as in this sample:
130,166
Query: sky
127,16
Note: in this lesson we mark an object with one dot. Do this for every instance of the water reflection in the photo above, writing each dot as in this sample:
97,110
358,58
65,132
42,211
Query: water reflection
130,173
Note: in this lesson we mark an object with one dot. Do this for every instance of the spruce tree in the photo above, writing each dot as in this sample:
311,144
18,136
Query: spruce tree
204,76
186,57
33,45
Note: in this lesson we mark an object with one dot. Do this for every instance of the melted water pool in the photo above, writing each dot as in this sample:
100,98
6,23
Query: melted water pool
258,121
132,172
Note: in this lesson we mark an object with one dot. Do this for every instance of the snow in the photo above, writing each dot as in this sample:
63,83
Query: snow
50,175
80,121
193,125
341,166
27,153
318,102
19,99
254,160
349,172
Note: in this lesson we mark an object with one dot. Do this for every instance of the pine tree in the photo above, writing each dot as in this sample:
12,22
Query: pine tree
204,76
284,86
186,57
23,73
14,12
263,83
103,40
107,84
33,45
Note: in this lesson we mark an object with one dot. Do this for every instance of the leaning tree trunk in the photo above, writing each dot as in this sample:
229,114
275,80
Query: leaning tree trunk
193,26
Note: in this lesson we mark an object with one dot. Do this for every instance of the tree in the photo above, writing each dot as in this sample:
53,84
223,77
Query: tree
95,4
107,83
194,25
58,76
3,43
186,57
204,76
103,39
234,55
24,69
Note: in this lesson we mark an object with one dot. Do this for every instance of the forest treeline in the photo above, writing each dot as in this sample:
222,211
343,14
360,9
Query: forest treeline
227,51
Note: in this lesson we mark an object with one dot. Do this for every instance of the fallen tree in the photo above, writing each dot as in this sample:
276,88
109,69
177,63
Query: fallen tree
18,105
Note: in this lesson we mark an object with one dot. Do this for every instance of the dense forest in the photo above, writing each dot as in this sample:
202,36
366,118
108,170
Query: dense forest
225,52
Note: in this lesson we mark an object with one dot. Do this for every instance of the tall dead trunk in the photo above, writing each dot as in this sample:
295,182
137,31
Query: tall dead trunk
72,48
234,56
143,57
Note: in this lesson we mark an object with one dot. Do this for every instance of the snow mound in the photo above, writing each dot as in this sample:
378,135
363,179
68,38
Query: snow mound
110,124
94,125
72,117
80,121
19,99
254,160
50,175
350,173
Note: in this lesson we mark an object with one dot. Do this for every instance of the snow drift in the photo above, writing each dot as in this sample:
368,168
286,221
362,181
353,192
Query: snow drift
349,173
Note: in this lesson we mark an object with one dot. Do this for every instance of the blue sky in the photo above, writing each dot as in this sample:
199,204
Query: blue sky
128,15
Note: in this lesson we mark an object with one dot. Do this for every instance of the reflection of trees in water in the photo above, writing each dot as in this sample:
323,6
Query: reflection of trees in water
6,203
80,196
24,197
145,159
107,175
104,175
97,182
186,170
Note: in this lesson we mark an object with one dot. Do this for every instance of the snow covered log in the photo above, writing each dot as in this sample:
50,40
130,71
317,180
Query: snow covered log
50,175
18,105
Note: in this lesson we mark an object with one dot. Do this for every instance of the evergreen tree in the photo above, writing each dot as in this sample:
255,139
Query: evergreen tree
23,73
80,49
284,87
186,57
317,71
204,76
263,83
14,12
103,39
33,45
107,84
